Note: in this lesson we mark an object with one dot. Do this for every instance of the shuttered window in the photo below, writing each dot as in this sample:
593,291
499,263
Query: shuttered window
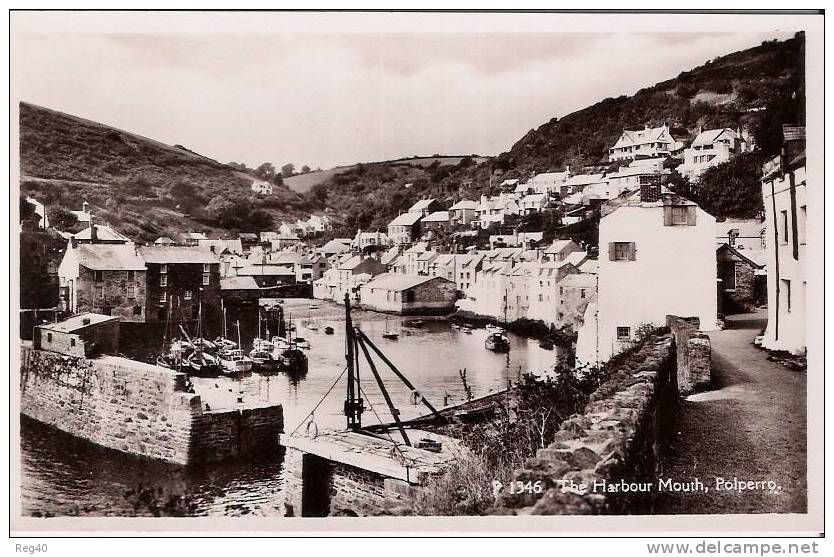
679,215
622,251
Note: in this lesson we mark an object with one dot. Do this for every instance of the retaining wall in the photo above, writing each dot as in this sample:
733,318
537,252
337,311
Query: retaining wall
616,440
694,353
139,409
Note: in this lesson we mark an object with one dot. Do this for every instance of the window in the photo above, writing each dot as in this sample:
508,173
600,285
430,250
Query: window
561,290
205,279
187,295
131,292
137,310
72,342
99,292
98,276
163,296
48,337
131,275
786,294
803,215
206,267
623,333
163,268
784,227
163,280
622,251
123,275
582,293
541,298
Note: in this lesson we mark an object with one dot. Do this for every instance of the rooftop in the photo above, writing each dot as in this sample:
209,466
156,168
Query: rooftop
176,254
103,232
422,205
399,282
406,219
78,322
580,280
238,283
437,216
109,257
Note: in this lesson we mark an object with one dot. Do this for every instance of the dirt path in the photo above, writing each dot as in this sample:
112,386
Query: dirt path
752,427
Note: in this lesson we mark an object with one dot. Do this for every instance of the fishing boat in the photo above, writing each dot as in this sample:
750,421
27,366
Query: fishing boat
389,334
312,327
416,323
302,343
329,330
466,329
202,362
234,360
497,342
314,306
280,343
292,360
223,342
493,329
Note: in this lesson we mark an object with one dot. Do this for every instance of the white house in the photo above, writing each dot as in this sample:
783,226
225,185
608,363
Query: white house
710,148
405,228
262,187
657,257
548,182
40,211
84,214
784,195
649,142
464,212
363,240
533,203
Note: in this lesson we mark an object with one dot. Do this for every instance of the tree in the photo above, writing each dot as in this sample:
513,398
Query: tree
237,165
62,219
288,170
266,171
732,189
305,169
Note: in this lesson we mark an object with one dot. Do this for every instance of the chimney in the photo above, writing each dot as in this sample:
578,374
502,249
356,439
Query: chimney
85,207
93,230
794,142
650,192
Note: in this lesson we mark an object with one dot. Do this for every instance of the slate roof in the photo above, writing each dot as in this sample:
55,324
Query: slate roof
581,280
708,137
176,254
238,283
406,219
437,216
76,322
103,232
399,282
639,137
421,205
109,257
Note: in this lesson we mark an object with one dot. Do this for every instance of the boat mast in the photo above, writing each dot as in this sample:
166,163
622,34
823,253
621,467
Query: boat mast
239,345
223,309
353,403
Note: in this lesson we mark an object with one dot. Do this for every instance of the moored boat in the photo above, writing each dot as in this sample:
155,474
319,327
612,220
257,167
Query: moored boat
493,329
329,330
292,360
497,342
234,360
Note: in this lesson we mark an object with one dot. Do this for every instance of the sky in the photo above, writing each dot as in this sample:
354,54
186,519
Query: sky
327,99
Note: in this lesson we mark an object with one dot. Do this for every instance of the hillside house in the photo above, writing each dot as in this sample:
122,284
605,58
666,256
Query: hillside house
284,241
240,291
533,203
578,183
261,187
425,207
99,234
346,278
646,143
190,238
335,246
657,257
405,228
547,182
84,214
544,296
438,221
365,240
179,278
742,234
784,191
636,174
576,291
409,294
464,212
268,275
710,148
107,279
559,250
164,241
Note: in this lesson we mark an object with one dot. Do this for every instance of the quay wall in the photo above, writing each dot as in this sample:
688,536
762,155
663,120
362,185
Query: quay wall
138,408
618,438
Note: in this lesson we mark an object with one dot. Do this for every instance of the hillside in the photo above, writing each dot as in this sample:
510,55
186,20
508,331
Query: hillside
142,186
759,89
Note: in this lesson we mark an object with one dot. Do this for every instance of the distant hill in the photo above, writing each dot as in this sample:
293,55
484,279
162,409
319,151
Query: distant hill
142,186
760,89
302,183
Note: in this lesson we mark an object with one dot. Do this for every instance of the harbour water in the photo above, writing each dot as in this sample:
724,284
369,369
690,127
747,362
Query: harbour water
66,476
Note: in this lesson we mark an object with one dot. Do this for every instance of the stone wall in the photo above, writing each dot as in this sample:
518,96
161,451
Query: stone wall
313,486
616,441
694,354
138,408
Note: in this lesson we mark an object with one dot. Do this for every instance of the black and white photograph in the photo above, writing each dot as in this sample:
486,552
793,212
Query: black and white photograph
422,271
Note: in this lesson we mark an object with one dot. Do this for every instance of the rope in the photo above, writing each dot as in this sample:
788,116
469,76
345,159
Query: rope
388,433
319,403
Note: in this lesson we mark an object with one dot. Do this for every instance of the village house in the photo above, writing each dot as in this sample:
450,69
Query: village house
467,271
319,223
267,236
488,294
268,275
190,238
544,297
533,203
646,143
230,264
261,187
246,239
636,174
85,335
547,182
284,241
742,280
84,214
496,210
179,279
108,279
425,207
464,212
438,221
578,183
710,148
576,291
221,246
99,234
346,277
240,291
785,203
405,228
310,268
41,251
559,250
40,212
335,246
742,234
164,241
365,240
409,294
657,258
